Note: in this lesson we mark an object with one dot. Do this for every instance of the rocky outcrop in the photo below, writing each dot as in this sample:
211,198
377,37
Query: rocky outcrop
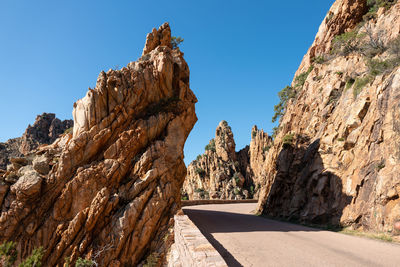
336,158
46,129
259,148
9,149
112,185
216,174
223,173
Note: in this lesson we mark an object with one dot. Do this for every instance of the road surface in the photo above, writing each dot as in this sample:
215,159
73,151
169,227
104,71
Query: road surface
247,240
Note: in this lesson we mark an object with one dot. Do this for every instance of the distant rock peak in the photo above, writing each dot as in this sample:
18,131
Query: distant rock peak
223,173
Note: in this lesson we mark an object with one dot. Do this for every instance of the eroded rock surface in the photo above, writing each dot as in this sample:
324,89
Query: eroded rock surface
113,185
336,157
223,173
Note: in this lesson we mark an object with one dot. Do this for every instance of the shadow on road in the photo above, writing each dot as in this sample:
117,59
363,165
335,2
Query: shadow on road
222,222
211,221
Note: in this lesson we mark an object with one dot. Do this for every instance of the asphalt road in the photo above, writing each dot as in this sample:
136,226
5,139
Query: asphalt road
247,240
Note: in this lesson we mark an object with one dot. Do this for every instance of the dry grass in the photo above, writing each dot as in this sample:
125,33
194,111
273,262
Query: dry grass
372,235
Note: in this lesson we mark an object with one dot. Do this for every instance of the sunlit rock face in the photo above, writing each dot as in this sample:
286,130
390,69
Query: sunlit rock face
112,186
336,157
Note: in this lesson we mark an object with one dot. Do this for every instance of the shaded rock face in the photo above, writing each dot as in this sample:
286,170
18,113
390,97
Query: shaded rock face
222,173
46,129
114,183
336,157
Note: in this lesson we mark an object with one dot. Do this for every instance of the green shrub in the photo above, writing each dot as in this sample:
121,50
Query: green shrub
184,198
349,83
359,84
176,41
252,189
380,165
334,96
200,172
275,132
377,67
284,95
345,43
199,190
329,16
152,260
394,47
266,148
8,253
301,78
374,5
35,260
211,146
69,130
318,78
341,139
236,191
289,92
318,59
254,134
67,262
288,139
236,177
198,157
339,73
84,263
225,123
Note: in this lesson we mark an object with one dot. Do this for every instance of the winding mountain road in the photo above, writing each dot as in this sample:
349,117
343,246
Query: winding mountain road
247,240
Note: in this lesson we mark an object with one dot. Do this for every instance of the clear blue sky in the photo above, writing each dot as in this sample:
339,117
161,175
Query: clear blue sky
240,54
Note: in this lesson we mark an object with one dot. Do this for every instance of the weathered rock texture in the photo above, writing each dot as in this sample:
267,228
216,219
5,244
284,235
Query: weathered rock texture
46,129
336,157
222,173
114,183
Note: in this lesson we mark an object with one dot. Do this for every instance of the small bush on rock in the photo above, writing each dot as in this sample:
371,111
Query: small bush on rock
359,84
84,263
176,41
35,260
288,139
8,253
211,146
200,172
285,95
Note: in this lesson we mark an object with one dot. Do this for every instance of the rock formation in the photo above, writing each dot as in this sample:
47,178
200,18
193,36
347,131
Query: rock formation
223,173
336,157
259,148
46,129
107,191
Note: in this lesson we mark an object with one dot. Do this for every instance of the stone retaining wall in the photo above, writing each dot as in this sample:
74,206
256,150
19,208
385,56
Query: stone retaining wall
191,248
186,203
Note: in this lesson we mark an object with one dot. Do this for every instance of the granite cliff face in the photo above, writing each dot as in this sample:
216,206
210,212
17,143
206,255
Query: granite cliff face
107,191
335,159
223,173
46,129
